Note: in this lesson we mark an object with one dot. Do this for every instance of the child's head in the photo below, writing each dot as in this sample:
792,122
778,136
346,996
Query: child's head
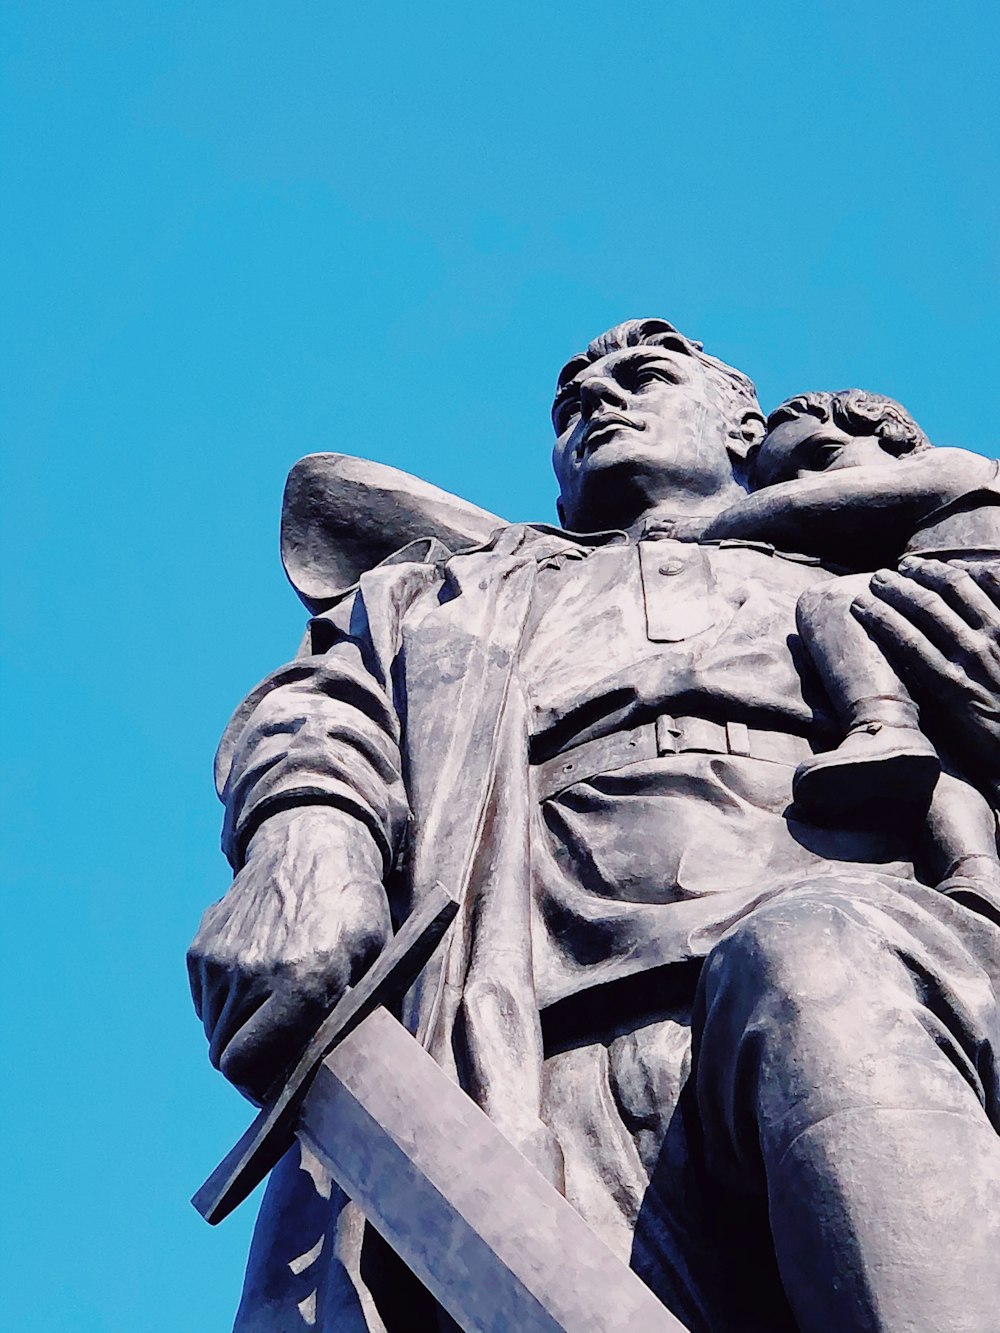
819,432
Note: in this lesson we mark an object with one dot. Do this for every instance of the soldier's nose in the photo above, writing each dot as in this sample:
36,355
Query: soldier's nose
598,392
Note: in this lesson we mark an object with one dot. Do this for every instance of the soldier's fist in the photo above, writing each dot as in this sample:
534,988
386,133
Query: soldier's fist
304,918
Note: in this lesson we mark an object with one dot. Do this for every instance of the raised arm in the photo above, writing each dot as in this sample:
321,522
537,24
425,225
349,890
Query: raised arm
860,516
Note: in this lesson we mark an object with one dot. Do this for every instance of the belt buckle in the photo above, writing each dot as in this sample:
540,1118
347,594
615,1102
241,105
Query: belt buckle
668,735
738,739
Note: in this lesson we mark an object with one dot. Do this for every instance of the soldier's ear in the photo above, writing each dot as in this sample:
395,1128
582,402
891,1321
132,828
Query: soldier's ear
752,431
744,445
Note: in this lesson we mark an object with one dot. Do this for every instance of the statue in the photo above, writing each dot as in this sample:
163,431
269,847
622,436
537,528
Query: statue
901,497
742,1019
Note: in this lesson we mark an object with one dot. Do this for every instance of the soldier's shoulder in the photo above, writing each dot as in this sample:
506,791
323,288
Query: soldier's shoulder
343,516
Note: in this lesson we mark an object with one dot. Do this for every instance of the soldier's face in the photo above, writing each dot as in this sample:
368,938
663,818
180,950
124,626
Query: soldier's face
643,417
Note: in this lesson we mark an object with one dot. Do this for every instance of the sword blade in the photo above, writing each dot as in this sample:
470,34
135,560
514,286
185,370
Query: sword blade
496,1245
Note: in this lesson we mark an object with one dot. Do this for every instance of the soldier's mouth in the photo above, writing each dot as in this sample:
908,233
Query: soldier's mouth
604,425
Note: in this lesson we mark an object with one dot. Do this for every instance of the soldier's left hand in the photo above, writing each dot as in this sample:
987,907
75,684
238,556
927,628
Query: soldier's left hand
939,625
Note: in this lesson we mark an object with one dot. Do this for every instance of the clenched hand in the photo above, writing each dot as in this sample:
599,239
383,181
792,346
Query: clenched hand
304,918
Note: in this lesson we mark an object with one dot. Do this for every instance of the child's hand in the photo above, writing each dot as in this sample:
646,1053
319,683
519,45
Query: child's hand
689,528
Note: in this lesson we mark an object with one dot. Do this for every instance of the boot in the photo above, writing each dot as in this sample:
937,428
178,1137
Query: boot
884,759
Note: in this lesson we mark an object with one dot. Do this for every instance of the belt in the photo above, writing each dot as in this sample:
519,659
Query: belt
665,736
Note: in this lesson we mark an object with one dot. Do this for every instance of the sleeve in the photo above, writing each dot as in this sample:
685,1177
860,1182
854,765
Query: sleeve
321,731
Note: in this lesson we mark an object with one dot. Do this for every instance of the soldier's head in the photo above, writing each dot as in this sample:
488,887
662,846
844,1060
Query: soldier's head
645,418
821,432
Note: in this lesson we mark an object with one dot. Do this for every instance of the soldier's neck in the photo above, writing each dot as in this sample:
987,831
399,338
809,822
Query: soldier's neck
684,511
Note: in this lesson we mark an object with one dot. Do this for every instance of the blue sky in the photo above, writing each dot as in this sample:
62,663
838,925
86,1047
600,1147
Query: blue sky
238,233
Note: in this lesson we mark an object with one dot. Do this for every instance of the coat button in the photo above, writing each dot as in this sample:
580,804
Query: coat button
672,567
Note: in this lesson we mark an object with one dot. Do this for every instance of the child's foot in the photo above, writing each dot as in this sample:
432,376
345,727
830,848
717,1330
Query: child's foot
975,882
874,764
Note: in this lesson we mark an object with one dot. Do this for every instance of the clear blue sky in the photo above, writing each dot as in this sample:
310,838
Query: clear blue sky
237,233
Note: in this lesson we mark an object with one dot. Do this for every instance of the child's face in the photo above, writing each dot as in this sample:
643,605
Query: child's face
805,444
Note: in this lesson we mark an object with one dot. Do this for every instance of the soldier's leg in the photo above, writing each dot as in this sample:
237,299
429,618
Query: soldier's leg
884,756
300,1274
844,1067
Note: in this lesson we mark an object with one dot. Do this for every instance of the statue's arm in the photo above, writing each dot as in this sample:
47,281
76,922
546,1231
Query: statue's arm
870,510
321,732
309,772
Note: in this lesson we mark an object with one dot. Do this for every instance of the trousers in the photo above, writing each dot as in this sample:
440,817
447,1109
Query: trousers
808,1143
832,1162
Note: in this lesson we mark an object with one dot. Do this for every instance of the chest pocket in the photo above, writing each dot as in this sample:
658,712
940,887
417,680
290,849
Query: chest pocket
678,590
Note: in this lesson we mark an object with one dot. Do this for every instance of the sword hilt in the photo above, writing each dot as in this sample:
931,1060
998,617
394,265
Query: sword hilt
272,1132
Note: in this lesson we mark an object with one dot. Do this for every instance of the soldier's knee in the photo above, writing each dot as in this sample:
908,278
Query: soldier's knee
803,950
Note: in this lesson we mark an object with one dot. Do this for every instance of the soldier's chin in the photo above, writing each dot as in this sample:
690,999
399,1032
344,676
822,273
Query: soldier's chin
623,448
625,460
611,494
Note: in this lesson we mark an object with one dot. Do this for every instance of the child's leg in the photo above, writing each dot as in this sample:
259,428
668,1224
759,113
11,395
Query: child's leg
884,755
961,851
962,831
858,678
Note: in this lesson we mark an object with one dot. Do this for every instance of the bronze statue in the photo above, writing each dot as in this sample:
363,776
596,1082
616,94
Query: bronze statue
747,1031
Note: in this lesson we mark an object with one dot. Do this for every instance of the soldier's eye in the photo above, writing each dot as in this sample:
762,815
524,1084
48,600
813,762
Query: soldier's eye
655,374
563,414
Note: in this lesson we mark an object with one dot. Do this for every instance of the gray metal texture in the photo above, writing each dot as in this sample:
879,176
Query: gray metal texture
485,1232
342,515
714,769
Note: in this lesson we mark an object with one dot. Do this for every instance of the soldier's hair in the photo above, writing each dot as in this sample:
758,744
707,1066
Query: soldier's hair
858,413
735,392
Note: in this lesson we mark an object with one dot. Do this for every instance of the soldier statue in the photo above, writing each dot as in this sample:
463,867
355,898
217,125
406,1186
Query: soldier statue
713,768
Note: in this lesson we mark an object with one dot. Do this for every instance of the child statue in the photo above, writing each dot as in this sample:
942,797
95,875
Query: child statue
852,478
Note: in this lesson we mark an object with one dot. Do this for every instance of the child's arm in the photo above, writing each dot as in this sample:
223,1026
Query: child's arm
861,516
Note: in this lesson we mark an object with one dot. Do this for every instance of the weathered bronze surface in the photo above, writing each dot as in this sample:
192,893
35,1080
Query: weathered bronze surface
713,770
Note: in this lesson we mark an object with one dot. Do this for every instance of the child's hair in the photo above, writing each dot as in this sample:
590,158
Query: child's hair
859,413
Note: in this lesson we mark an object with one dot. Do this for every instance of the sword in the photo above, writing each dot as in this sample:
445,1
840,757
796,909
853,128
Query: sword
496,1245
